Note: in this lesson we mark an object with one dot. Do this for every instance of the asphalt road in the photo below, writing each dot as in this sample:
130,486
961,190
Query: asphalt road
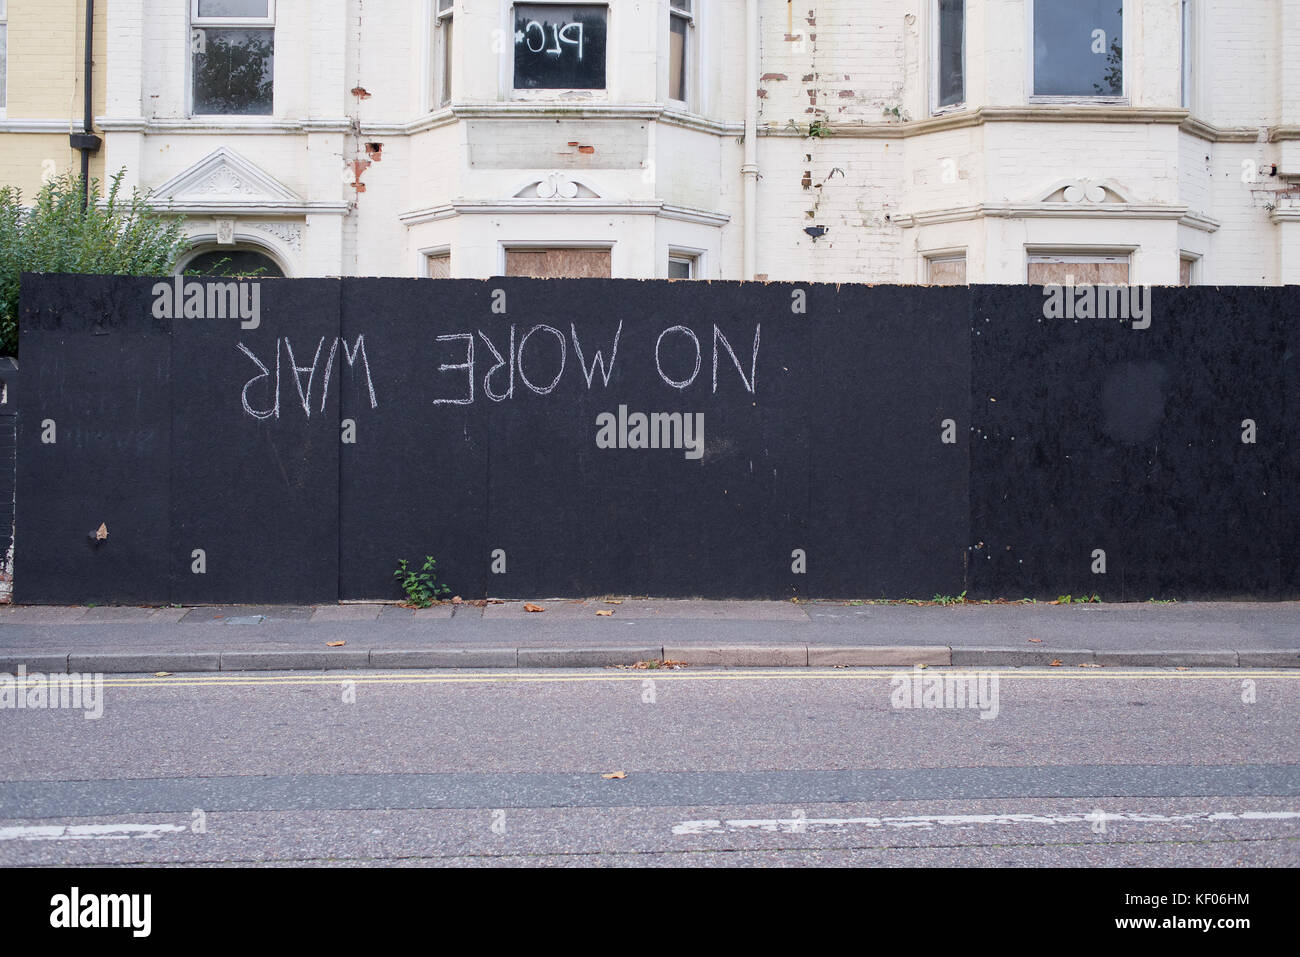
1096,767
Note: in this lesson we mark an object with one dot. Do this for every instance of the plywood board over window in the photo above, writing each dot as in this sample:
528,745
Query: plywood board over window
575,263
438,265
1078,270
946,271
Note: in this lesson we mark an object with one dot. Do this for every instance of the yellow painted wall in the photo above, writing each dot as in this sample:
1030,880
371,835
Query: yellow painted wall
44,82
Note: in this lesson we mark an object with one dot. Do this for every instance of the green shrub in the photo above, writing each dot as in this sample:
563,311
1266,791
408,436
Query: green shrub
114,235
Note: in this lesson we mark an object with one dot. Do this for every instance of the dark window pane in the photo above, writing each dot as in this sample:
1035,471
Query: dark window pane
445,96
234,8
232,71
559,46
1078,47
677,59
952,30
679,269
234,262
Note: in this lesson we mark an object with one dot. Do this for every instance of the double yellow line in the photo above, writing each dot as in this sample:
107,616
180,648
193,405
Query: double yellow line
246,679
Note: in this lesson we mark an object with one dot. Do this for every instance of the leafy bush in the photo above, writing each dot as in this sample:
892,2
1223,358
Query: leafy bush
114,235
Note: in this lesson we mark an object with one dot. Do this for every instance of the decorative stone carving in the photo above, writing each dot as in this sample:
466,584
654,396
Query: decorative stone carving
1078,192
558,186
288,233
224,174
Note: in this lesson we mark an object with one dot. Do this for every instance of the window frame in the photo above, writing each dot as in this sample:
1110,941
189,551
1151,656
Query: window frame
266,21
1121,100
936,41
4,45
1082,255
526,94
689,54
694,258
1194,262
431,253
505,246
441,83
202,245
930,257
197,22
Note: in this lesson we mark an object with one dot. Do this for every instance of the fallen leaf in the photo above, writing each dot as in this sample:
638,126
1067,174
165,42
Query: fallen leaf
613,601
1180,668
456,600
1056,663
604,614
335,644
923,666
1037,641
529,606
162,674
614,776
101,533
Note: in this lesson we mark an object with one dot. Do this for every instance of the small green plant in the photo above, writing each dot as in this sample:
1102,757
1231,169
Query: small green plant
1092,599
819,128
950,599
422,588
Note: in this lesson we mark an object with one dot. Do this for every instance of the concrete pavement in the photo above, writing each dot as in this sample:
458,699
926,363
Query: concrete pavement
606,632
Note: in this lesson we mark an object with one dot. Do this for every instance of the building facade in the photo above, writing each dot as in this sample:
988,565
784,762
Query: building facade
907,141
42,89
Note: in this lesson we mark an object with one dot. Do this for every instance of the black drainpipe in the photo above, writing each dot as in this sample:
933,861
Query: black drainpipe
86,141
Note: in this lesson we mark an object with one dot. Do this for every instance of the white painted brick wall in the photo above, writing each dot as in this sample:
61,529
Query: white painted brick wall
851,63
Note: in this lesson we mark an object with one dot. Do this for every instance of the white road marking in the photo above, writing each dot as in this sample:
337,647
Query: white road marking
797,824
87,832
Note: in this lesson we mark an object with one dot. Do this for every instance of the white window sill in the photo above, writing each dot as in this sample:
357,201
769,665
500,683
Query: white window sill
1037,100
560,96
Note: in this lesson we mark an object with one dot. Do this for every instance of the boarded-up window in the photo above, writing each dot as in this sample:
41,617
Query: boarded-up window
1186,265
560,46
438,265
946,271
1069,269
558,263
